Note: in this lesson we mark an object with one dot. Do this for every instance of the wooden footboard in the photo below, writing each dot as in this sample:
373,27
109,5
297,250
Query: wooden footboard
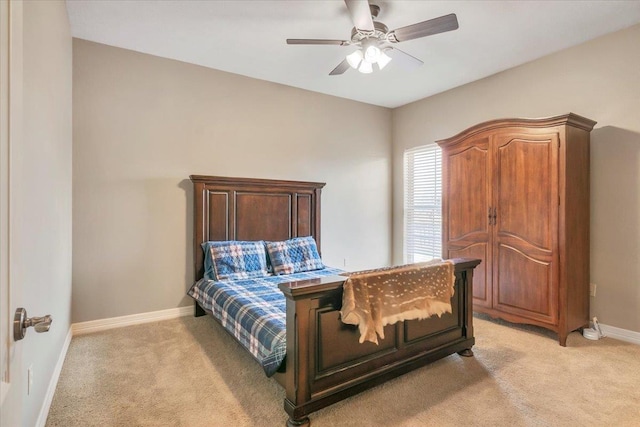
325,362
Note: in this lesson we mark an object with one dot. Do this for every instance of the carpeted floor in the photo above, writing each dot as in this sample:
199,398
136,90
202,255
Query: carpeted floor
189,372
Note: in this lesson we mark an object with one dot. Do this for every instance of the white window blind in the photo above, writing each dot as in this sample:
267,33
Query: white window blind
422,203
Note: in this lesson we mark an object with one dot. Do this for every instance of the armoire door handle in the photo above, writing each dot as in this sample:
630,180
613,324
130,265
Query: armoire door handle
492,216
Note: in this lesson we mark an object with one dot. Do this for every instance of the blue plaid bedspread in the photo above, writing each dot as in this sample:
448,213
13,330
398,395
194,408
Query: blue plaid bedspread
253,311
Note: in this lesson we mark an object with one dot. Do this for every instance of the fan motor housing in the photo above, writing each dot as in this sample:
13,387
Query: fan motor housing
380,32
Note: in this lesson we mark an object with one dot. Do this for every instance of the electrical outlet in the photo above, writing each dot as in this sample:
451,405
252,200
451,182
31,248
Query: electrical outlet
344,262
29,379
592,289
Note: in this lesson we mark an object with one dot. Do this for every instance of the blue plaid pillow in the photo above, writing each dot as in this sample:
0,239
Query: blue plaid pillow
233,260
294,256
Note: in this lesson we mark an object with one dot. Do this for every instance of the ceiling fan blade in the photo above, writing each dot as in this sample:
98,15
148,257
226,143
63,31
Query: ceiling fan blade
360,14
425,28
317,41
341,68
403,58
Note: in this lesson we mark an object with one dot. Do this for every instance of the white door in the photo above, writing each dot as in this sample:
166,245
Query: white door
12,381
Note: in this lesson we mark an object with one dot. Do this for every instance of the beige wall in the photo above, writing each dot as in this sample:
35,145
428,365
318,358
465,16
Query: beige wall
143,124
41,193
599,80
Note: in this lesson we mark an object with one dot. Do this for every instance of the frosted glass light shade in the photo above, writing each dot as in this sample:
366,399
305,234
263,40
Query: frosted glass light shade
383,60
371,54
354,59
366,67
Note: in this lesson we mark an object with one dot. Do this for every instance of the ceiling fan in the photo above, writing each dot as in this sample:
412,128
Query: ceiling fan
375,41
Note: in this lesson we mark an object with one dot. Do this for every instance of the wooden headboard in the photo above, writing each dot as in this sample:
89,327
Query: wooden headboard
252,209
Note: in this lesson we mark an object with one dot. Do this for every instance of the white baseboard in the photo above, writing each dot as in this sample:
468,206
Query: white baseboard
133,319
621,334
48,398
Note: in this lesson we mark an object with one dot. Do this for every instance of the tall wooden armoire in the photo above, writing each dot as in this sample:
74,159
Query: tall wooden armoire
516,196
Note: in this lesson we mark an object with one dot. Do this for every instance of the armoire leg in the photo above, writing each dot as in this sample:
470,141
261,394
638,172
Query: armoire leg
562,338
467,352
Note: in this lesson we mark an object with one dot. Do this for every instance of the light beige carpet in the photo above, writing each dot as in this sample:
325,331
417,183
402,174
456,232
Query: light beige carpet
189,372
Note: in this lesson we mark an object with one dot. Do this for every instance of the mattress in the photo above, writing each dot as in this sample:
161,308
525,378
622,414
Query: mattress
254,312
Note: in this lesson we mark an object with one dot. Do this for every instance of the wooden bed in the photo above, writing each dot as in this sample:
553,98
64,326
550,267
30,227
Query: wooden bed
325,363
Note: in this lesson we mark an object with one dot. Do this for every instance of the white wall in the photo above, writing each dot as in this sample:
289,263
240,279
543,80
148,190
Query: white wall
143,124
41,182
600,80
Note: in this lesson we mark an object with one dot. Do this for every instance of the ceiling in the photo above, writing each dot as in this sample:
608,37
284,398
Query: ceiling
248,38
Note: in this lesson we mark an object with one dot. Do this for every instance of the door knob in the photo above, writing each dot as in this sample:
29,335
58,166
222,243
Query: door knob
21,323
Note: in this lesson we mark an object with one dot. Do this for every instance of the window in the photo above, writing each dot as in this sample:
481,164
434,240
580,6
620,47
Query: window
422,203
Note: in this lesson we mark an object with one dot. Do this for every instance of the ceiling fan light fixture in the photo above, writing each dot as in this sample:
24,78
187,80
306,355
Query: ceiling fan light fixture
354,59
364,59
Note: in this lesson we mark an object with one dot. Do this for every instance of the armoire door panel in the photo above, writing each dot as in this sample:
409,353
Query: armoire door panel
481,274
518,243
468,198
524,285
525,164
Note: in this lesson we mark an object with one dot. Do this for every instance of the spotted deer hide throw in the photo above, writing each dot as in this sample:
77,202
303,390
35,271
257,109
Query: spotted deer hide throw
375,298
